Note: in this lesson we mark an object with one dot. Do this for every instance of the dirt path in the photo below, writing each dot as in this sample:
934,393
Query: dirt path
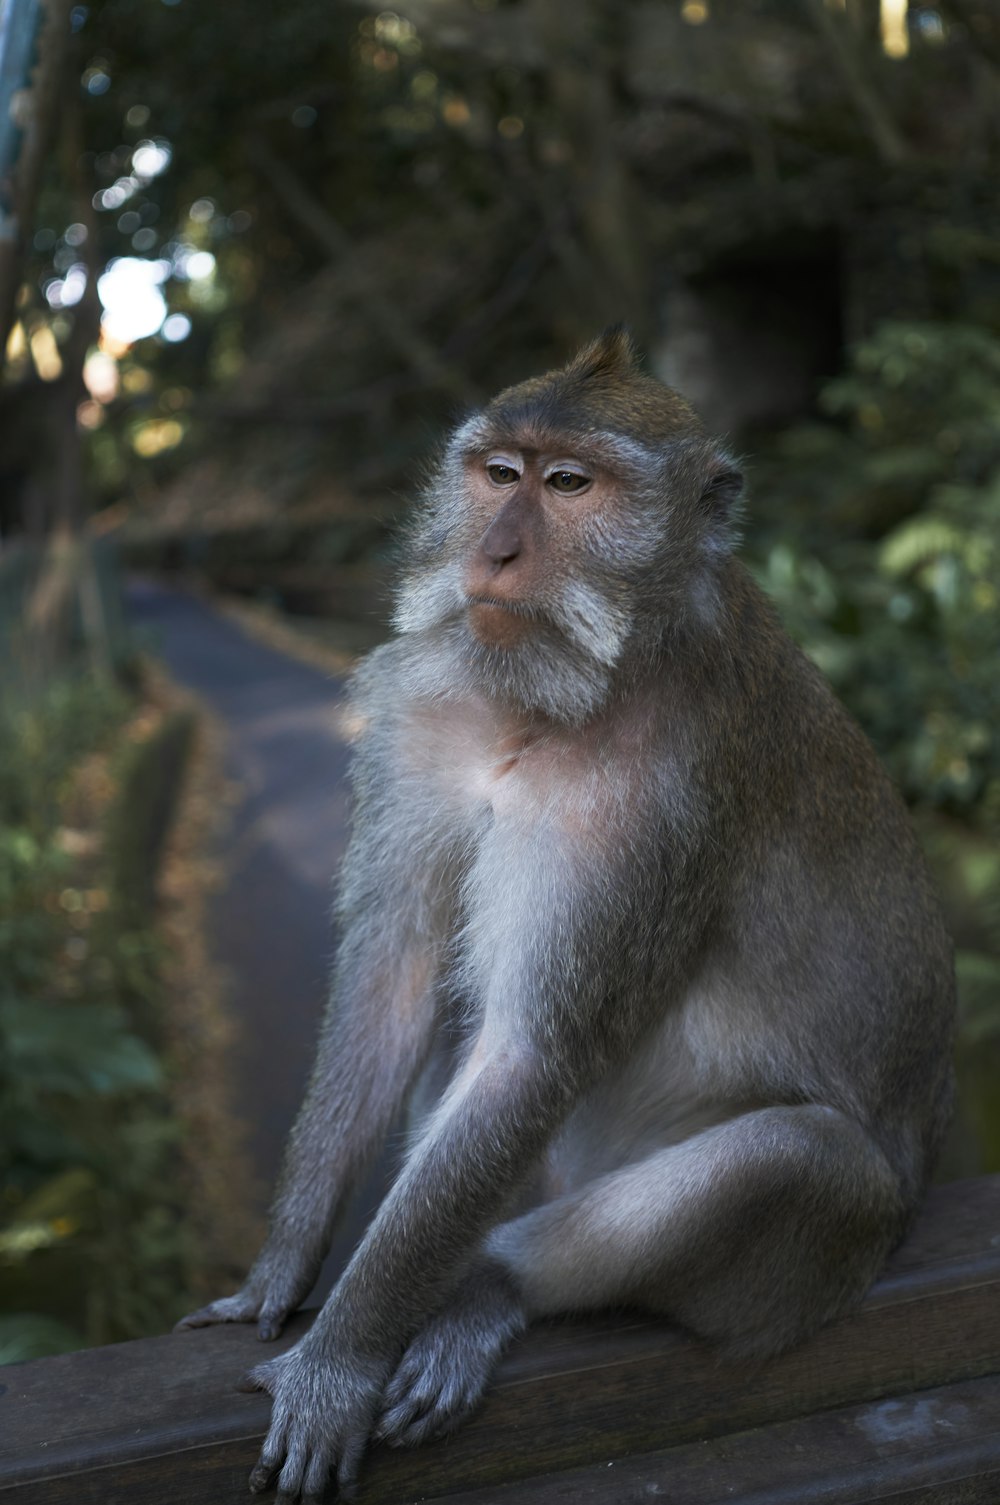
270,923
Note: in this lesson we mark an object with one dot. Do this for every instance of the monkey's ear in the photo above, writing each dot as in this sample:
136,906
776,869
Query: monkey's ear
722,489
611,355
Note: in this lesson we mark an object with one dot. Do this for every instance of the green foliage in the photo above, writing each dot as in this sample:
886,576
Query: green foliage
33,1338
904,618
89,1247
43,740
150,780
888,573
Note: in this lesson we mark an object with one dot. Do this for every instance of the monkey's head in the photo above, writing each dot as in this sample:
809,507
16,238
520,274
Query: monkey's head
575,525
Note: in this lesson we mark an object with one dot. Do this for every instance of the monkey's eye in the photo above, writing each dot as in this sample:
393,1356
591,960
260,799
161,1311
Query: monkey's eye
567,481
502,475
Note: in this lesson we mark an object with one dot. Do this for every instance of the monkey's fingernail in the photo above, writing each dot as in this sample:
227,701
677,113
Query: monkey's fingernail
267,1331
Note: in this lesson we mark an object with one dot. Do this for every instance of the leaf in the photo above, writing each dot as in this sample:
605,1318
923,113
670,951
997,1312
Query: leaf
64,1196
917,541
75,1049
979,995
30,1336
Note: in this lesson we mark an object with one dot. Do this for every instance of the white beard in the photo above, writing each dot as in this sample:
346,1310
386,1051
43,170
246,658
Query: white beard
563,667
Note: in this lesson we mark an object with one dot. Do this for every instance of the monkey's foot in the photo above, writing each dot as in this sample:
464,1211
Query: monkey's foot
442,1375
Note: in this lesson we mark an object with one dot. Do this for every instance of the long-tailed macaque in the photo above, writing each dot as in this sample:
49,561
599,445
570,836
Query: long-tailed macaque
614,834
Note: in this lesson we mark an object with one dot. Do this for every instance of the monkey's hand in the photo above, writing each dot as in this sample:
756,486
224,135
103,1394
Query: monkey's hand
277,1285
325,1402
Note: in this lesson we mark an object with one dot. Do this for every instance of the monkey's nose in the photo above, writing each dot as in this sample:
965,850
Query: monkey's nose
501,541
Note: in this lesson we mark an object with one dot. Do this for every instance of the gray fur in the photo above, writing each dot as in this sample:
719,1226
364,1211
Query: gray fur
638,861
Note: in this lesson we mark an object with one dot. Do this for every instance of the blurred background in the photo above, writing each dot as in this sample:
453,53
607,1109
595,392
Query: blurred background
253,260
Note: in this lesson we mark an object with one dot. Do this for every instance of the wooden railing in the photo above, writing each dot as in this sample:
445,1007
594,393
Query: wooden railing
900,1402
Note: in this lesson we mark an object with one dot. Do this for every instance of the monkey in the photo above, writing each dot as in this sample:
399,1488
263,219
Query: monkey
628,888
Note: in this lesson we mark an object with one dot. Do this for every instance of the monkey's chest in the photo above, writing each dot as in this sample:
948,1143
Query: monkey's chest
498,788
478,768
502,777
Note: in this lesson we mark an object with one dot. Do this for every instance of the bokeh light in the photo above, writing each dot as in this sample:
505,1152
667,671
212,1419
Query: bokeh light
134,306
150,158
176,327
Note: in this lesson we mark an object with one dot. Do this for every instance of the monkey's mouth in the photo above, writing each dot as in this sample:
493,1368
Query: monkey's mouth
516,608
498,623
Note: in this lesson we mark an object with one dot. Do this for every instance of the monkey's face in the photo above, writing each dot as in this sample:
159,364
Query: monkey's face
527,567
533,511
518,491
558,547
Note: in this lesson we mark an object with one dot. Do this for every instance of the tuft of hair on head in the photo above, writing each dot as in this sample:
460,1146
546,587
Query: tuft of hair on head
612,355
602,389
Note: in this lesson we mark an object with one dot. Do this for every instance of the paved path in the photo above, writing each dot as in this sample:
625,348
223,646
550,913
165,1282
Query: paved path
271,921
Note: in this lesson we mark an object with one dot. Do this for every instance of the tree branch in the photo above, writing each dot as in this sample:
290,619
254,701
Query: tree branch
889,143
399,335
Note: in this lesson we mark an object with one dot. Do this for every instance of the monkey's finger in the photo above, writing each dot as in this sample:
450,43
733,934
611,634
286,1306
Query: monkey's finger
262,1474
205,1316
315,1482
350,1465
193,1319
261,1477
270,1325
271,1457
290,1478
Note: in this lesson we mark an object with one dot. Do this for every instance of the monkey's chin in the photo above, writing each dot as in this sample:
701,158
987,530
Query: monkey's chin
497,626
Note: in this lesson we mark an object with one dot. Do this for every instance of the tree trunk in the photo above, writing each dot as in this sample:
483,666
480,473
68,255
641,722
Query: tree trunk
34,47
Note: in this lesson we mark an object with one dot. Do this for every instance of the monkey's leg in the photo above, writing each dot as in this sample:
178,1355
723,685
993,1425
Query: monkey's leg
752,1233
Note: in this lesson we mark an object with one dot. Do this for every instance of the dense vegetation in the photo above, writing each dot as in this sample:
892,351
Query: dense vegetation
91,1245
890,577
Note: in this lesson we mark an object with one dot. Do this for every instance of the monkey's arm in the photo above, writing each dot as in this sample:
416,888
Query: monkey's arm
372,1045
328,1389
375,1036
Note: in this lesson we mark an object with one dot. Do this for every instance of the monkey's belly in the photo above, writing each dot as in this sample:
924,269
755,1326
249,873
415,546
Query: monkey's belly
656,1099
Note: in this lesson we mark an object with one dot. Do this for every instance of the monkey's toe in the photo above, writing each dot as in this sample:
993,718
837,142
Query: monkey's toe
414,1421
429,1396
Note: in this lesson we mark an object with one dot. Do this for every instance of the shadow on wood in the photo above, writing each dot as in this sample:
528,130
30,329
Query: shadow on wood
895,1402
